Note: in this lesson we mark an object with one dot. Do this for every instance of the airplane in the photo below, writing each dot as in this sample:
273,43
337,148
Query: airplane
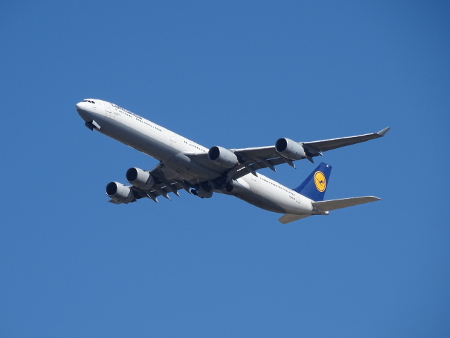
184,164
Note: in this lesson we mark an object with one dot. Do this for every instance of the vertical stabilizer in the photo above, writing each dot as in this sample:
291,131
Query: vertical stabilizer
315,185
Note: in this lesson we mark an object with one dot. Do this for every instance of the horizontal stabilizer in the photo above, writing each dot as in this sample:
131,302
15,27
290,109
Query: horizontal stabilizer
288,218
343,203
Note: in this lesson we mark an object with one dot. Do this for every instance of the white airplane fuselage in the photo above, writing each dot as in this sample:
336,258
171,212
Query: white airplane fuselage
171,149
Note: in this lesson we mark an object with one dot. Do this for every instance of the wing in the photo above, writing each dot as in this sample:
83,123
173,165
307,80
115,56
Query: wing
334,143
252,159
167,181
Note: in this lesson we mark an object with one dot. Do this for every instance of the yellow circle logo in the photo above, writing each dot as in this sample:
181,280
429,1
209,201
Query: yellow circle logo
320,181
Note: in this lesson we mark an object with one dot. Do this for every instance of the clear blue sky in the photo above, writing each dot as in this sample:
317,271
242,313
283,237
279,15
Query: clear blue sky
236,74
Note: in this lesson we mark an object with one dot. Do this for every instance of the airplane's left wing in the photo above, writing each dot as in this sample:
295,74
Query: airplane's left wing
284,151
335,143
252,159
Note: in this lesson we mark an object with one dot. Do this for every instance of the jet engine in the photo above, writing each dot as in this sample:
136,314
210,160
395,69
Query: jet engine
119,192
290,149
222,157
140,178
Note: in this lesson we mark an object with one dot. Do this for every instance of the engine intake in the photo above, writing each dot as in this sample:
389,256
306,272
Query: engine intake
290,149
140,178
119,192
222,157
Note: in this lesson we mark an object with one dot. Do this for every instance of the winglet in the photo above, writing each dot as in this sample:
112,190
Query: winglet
384,131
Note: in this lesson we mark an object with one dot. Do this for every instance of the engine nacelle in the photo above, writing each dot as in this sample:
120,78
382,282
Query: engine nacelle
119,192
140,178
290,149
222,157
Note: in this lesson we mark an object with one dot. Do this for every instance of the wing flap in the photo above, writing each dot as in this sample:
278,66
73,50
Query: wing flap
343,203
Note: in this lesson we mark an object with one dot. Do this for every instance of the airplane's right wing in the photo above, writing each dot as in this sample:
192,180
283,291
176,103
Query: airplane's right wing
166,181
161,189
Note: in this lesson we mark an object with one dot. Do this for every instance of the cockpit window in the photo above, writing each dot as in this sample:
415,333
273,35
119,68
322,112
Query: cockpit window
89,101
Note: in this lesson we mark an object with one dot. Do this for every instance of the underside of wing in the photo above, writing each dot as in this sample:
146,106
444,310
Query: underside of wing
242,161
161,181
251,167
202,158
163,172
257,152
161,189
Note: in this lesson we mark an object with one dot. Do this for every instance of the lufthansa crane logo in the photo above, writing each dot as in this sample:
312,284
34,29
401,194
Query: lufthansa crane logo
320,181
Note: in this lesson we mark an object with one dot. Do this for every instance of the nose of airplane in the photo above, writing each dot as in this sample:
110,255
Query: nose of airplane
83,111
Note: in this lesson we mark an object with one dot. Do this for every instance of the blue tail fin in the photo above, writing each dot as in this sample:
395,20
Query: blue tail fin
315,185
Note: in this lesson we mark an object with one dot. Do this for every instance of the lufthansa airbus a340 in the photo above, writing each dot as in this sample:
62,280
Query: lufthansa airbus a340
200,171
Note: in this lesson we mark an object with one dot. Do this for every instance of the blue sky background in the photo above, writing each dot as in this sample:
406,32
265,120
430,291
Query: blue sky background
235,74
